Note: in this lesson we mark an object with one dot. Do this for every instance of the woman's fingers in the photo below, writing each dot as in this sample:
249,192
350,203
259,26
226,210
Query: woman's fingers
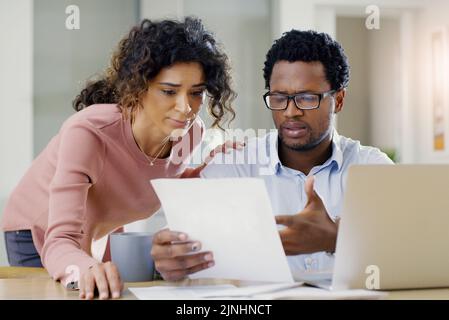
229,145
104,277
89,284
226,147
113,278
82,293
101,281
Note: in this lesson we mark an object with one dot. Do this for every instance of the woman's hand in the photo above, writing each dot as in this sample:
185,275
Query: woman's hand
176,256
226,147
105,278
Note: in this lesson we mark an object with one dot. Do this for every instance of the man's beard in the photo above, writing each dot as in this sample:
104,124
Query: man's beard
310,144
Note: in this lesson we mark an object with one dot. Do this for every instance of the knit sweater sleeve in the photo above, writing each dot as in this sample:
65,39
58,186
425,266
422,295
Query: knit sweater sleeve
79,165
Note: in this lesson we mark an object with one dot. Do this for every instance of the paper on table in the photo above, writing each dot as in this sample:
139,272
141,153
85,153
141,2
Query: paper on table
258,292
232,217
309,293
176,293
248,291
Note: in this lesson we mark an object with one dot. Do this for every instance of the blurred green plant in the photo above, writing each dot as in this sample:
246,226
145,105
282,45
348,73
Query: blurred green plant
391,153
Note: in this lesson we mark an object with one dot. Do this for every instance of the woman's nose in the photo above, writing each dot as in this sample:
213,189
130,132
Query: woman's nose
182,105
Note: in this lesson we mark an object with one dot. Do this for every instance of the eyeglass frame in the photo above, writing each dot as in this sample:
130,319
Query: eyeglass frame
321,96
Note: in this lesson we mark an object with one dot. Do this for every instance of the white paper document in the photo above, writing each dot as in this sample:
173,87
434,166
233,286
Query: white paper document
232,217
176,293
309,293
248,291
254,292
225,291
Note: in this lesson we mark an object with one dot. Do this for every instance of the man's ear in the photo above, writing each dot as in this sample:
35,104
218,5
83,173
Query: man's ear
339,100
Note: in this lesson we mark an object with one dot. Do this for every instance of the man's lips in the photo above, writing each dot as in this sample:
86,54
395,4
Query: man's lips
294,129
294,125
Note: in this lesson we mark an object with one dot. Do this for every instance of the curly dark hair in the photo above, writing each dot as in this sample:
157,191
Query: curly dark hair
310,46
146,50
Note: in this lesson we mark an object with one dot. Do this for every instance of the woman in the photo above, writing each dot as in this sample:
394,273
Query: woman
139,122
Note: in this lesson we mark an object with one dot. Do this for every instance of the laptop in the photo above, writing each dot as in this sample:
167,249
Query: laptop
394,230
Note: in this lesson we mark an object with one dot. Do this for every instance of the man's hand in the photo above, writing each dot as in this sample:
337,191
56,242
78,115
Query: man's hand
311,230
175,256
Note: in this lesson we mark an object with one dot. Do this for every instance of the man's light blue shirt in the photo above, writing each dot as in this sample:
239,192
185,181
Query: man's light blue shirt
285,186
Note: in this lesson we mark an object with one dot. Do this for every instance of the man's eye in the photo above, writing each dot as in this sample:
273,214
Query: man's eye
308,98
278,98
169,92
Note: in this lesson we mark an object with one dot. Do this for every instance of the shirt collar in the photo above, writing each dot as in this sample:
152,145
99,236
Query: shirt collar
337,153
270,145
275,164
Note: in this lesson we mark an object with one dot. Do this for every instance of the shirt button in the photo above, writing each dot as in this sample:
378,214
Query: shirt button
309,262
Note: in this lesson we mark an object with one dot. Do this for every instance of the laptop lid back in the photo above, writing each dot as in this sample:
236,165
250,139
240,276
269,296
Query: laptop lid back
394,228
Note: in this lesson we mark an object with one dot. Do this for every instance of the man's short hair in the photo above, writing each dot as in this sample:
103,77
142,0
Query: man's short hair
310,46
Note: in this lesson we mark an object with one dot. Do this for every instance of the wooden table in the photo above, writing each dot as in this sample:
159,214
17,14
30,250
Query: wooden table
35,283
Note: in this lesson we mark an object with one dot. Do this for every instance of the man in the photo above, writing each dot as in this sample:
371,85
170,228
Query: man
306,74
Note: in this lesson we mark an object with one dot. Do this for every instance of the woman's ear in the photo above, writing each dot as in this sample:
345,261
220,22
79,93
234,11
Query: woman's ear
339,100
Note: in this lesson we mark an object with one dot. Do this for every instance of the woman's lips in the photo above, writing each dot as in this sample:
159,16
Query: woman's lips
177,123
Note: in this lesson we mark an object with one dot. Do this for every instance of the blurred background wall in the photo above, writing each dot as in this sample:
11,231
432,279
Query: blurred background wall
43,65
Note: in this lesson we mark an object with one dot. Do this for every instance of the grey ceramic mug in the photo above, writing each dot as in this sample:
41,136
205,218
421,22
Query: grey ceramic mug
131,253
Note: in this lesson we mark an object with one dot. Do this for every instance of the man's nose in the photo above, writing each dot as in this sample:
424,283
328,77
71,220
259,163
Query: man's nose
292,110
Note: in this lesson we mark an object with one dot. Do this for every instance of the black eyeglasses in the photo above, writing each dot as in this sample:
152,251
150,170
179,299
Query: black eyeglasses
303,101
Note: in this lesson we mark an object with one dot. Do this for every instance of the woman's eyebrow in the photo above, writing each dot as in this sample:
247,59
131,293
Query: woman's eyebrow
176,85
169,84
